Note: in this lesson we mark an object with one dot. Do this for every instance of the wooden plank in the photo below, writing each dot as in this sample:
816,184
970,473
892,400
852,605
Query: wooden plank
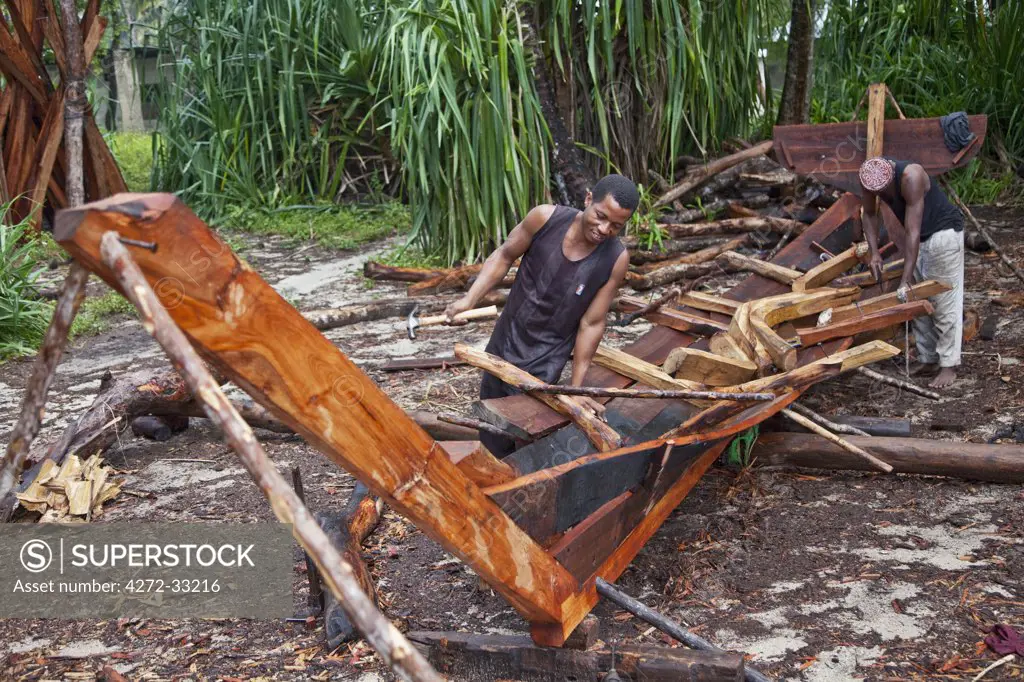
890,271
485,658
702,301
597,432
638,370
707,368
833,152
226,310
821,275
673,318
866,323
921,290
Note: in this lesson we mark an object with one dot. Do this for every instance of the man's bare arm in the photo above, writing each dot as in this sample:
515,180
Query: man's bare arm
500,261
915,184
593,323
870,220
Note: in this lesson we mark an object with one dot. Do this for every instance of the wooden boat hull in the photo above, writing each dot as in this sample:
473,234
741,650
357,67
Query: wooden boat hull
833,152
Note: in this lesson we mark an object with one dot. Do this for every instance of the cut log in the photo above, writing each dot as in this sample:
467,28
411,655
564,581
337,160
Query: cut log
972,461
672,273
707,368
823,274
866,323
890,271
600,434
728,225
486,658
854,310
841,442
699,176
456,278
669,248
672,318
778,273
709,302
702,256
380,271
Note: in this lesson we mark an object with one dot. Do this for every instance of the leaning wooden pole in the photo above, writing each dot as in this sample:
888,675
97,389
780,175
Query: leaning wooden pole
393,647
841,442
31,415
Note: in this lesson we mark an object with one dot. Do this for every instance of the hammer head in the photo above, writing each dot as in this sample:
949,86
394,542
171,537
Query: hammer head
413,321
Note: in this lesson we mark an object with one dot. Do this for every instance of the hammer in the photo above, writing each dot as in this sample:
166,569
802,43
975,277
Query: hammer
475,314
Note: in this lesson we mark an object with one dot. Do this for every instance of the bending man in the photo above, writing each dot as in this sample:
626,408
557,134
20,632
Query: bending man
934,249
572,265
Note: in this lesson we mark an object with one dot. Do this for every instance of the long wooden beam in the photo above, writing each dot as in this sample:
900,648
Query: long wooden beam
235,319
921,290
866,323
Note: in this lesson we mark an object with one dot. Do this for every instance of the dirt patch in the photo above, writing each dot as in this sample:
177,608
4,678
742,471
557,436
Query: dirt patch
820,577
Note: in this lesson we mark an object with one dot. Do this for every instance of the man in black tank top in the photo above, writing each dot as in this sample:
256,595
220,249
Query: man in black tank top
934,249
572,265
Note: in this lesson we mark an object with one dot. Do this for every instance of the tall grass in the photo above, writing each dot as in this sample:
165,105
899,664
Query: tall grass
936,57
23,316
278,102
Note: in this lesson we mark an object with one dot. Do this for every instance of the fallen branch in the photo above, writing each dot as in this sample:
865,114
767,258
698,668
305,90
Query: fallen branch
394,649
841,442
899,383
666,625
763,224
701,175
832,426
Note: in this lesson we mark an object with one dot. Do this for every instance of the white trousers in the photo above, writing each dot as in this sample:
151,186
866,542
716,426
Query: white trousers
939,336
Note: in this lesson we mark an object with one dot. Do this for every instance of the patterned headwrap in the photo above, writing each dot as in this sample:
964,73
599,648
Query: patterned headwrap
876,174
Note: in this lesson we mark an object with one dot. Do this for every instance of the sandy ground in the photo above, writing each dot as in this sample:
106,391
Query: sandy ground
820,577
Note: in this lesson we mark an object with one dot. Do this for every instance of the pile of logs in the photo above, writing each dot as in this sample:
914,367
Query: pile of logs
33,165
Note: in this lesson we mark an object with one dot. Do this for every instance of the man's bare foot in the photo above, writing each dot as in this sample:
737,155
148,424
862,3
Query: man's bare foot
945,378
924,369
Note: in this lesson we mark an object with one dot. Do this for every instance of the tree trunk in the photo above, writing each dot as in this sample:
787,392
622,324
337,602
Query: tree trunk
574,177
796,88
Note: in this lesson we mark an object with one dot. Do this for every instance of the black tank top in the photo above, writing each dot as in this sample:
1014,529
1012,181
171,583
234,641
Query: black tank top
537,327
939,213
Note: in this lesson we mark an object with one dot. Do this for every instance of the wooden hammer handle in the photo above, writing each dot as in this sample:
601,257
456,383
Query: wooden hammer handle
475,314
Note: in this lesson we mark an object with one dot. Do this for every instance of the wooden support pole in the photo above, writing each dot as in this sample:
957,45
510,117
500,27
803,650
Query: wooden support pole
666,625
30,418
898,383
599,433
841,442
394,649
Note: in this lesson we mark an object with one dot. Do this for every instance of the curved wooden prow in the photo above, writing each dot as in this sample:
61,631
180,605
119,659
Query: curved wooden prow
245,329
